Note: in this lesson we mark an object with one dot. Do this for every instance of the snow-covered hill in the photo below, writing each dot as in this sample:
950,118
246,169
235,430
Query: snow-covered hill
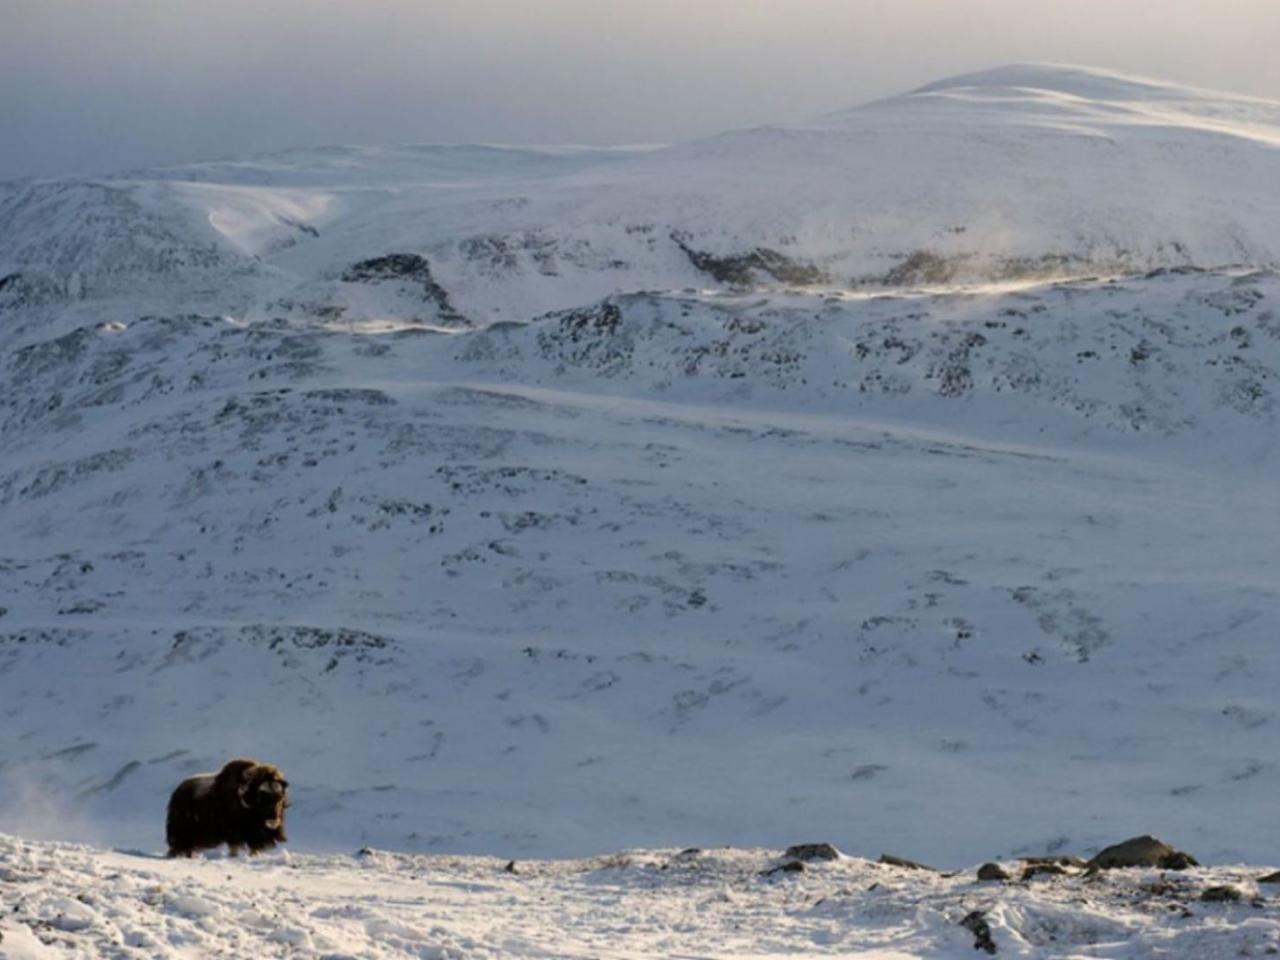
549,502
1025,171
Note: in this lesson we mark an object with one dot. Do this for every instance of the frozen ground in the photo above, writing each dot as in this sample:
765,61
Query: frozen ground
64,902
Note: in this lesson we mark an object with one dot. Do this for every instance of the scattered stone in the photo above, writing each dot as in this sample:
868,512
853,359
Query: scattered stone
1179,861
1043,869
1223,894
890,860
976,924
993,871
1065,860
791,866
1144,851
1270,878
812,851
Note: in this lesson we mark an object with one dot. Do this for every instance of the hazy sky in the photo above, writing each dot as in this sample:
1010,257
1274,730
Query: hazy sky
95,85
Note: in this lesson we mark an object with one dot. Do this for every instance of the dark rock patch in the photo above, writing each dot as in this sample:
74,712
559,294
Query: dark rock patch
1043,870
976,924
406,267
356,395
889,860
1064,860
1222,894
921,267
748,269
791,866
117,778
993,871
812,851
1144,851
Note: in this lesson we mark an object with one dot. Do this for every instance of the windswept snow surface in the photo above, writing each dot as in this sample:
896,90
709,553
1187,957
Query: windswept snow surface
542,503
77,902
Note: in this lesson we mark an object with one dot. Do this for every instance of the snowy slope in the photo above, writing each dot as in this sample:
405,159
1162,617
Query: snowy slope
672,568
550,502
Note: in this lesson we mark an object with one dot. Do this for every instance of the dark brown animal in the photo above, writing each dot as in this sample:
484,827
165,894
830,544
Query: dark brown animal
242,805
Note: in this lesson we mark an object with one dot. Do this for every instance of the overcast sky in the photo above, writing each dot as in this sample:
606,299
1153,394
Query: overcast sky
97,85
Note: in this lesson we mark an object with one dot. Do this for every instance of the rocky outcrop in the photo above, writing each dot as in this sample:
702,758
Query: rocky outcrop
407,268
889,860
749,269
812,851
1144,851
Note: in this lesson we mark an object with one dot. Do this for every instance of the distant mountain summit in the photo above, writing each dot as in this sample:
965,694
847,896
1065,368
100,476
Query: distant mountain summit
1023,171
1086,83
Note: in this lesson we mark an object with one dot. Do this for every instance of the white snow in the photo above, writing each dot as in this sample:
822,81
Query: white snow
68,901
904,478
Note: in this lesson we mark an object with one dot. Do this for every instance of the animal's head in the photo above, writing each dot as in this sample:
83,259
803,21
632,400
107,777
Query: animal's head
260,788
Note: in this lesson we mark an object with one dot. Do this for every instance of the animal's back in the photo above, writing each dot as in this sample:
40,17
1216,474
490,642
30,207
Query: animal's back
183,819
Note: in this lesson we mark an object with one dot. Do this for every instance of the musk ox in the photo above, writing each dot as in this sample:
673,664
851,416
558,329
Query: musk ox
242,805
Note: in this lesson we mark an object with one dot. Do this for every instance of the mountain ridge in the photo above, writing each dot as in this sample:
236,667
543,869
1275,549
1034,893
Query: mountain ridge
932,187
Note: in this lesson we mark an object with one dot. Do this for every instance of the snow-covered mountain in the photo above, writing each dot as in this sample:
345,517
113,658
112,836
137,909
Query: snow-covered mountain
904,478
1026,171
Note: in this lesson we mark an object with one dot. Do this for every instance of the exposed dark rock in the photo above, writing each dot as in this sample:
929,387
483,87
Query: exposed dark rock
1144,851
1270,878
890,860
1223,894
406,267
976,924
1179,861
116,779
357,395
921,267
747,269
812,851
1043,869
791,866
993,871
1065,860
591,337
